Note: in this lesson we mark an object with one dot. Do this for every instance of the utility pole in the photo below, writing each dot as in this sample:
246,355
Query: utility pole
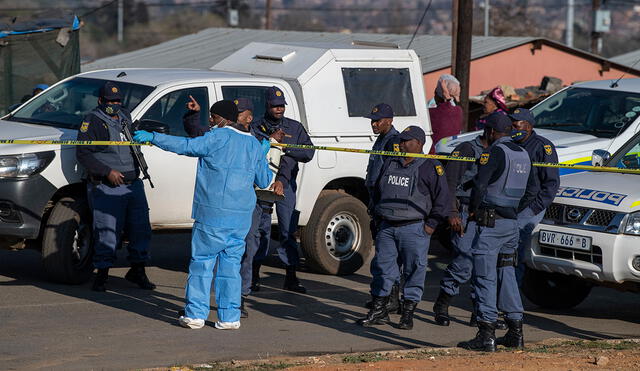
120,20
463,55
267,23
454,34
595,36
570,20
487,8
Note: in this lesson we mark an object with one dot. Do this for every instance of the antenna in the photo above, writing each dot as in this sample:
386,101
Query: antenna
420,23
615,83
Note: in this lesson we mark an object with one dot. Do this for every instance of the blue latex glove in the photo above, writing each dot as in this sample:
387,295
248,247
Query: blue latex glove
266,146
142,136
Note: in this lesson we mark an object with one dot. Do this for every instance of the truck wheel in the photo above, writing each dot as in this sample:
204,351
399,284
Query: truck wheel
337,239
554,290
66,242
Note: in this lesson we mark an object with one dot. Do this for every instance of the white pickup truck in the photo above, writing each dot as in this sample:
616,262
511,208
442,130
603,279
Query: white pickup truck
328,88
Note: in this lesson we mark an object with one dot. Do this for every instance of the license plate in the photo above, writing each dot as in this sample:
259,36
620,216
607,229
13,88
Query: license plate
570,241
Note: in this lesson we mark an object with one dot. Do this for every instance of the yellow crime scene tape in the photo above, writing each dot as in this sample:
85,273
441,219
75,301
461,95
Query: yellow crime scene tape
605,169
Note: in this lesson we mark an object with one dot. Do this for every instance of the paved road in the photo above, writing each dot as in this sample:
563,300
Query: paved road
51,326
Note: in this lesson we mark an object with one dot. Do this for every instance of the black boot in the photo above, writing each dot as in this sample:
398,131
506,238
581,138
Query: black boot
255,277
500,324
99,284
138,276
394,304
485,339
514,337
441,309
406,321
291,282
243,311
378,314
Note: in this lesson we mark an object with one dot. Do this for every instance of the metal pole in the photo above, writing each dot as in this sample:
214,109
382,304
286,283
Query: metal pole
120,20
463,55
267,24
570,20
487,7
454,34
595,36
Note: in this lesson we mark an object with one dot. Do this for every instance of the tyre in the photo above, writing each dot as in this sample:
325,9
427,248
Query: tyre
337,238
554,290
66,242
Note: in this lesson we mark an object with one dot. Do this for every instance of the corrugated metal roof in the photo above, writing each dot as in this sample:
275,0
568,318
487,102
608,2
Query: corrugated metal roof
208,47
628,59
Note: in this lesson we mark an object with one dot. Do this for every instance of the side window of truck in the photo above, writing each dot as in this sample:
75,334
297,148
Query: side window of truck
366,87
255,93
172,106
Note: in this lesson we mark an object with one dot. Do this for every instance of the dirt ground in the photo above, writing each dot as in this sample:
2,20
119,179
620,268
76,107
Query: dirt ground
549,355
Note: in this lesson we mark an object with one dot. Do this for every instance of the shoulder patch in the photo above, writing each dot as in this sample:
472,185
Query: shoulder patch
548,150
455,154
84,127
439,170
396,147
484,158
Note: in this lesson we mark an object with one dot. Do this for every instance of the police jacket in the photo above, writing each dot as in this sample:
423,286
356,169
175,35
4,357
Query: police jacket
98,161
384,142
294,133
460,173
492,167
411,192
540,149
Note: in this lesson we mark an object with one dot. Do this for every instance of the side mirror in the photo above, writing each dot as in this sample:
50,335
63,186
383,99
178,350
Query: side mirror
599,157
152,126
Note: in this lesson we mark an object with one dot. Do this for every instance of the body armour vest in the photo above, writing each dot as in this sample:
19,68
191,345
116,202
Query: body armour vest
509,188
400,196
116,157
471,171
376,161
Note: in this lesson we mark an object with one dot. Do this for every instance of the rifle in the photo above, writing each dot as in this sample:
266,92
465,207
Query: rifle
137,153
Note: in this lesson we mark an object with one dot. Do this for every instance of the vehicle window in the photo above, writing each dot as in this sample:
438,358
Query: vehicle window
172,106
629,156
257,94
602,113
66,104
366,87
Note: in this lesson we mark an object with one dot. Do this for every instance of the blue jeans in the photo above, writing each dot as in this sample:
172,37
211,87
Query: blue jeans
118,209
408,244
459,270
252,242
527,221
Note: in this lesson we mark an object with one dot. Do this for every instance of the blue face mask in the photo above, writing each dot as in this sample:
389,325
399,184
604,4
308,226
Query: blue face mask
518,135
111,109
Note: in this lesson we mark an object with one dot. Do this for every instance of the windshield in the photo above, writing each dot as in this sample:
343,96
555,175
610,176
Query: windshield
65,105
628,157
602,113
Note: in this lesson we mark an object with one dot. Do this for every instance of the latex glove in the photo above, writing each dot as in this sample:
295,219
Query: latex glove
142,136
266,146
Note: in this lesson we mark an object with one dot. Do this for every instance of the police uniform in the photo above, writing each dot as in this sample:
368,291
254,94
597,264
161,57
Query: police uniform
115,208
459,175
294,133
406,198
532,209
504,176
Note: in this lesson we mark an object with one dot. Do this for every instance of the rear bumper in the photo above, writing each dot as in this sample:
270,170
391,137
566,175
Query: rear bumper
22,204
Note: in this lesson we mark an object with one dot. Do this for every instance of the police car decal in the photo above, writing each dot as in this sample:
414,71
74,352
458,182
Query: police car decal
591,195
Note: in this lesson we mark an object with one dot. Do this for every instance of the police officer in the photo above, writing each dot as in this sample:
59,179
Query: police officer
381,117
410,199
114,191
504,176
459,175
532,210
285,130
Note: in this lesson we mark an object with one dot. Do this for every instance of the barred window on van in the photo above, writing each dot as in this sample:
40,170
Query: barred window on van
366,87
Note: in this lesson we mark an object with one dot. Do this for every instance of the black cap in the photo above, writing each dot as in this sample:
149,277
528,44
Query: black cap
275,97
243,104
413,132
110,92
499,122
523,114
380,111
225,108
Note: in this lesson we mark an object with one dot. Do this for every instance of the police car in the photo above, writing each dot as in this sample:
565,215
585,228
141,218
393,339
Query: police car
590,235
328,88
579,118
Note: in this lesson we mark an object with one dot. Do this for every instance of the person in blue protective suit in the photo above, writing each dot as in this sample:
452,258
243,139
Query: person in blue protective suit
115,192
284,130
531,210
504,177
410,200
459,175
230,161
381,117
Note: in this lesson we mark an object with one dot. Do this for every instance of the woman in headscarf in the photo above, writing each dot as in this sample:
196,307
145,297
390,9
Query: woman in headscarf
494,102
446,117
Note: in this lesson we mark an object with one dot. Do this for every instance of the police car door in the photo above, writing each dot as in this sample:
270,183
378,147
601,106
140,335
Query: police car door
173,175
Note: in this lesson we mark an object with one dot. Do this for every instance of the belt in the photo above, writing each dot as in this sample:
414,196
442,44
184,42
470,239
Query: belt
104,180
401,223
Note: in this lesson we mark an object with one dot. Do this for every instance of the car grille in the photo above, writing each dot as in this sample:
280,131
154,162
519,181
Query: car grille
594,256
583,218
601,217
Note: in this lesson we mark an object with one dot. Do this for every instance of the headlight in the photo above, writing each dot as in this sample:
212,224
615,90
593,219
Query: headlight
25,165
633,224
